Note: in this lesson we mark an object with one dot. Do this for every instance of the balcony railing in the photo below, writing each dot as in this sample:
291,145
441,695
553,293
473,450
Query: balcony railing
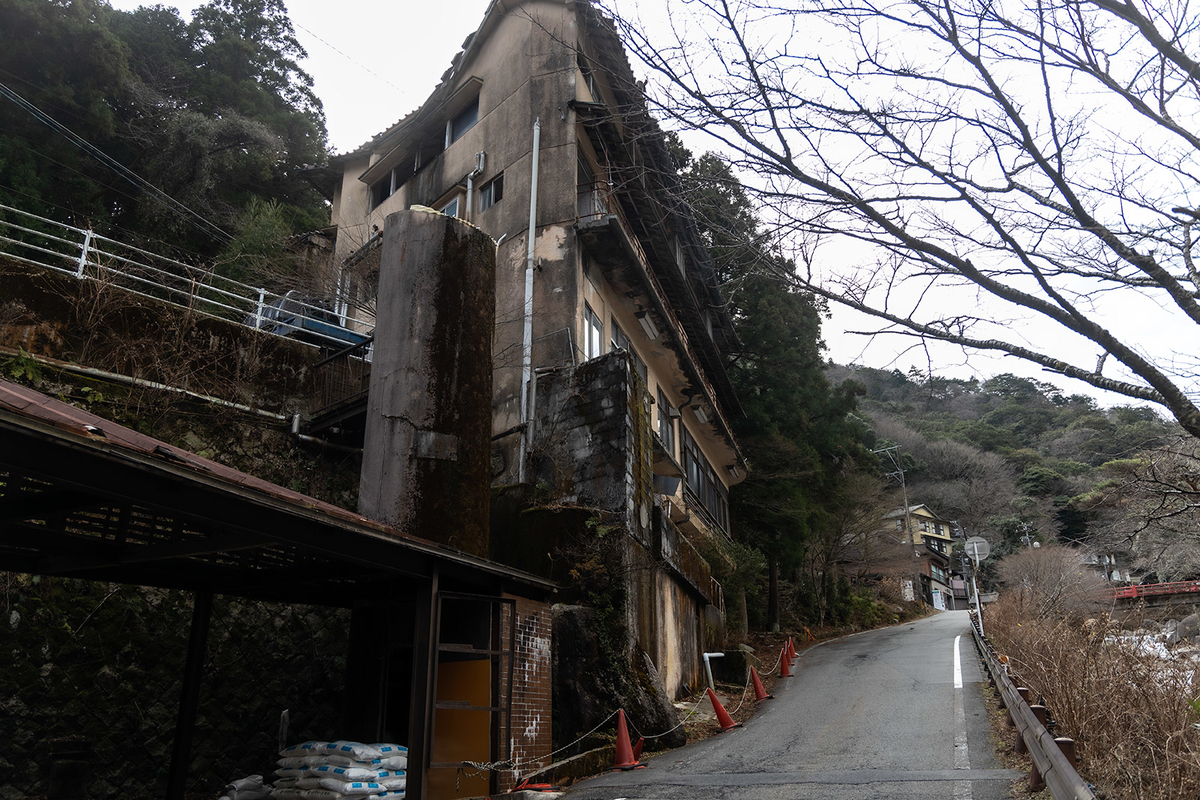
597,201
87,255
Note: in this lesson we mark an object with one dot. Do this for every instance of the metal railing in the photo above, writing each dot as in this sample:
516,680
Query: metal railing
1053,758
1153,589
598,200
344,378
45,243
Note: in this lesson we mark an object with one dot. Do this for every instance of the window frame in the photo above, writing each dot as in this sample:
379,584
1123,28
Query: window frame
666,423
453,130
593,333
491,193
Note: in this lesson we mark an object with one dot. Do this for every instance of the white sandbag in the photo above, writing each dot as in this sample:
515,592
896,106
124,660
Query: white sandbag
350,788
342,753
306,749
361,752
348,773
387,750
250,787
287,793
388,762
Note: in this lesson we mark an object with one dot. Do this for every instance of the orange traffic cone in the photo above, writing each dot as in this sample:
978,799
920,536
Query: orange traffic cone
624,757
723,719
637,748
784,664
759,692
791,649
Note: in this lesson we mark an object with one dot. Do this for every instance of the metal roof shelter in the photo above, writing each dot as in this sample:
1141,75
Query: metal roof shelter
85,497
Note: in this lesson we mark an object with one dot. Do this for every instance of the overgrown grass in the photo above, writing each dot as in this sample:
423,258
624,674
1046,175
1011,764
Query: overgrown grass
1132,713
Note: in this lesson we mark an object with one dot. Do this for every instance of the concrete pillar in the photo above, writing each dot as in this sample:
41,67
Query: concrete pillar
427,449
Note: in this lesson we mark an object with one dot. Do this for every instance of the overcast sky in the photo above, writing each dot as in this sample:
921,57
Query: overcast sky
373,61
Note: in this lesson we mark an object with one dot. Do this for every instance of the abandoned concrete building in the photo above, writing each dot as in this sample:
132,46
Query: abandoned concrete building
545,389
610,391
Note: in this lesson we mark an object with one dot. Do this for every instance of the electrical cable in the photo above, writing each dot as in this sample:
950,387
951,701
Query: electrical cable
350,58
210,228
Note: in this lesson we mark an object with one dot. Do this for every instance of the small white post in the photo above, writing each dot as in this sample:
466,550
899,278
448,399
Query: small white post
258,309
83,253
708,668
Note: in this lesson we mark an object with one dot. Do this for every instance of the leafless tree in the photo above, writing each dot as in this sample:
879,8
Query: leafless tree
1149,507
959,168
1050,581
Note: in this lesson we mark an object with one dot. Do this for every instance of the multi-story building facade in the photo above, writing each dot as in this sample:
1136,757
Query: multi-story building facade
932,540
609,389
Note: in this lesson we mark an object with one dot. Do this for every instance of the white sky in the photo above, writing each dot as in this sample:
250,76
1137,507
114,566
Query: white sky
374,61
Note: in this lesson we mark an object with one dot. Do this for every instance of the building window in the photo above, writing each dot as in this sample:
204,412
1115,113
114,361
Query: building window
593,334
666,423
384,188
937,528
491,192
451,208
938,574
703,481
621,342
462,122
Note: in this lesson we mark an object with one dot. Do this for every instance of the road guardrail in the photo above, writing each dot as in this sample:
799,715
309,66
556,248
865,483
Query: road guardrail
1053,758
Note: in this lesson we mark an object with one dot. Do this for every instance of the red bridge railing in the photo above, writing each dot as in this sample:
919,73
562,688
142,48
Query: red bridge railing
1178,587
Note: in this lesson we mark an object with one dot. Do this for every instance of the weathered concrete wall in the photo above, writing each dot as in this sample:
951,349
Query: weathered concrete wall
583,451
427,454
591,449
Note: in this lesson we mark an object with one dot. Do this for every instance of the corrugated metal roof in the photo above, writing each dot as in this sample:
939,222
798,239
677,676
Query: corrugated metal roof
62,433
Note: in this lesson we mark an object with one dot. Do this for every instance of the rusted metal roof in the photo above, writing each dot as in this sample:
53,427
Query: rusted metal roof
83,495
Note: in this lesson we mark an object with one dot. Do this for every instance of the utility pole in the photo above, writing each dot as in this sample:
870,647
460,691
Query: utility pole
893,454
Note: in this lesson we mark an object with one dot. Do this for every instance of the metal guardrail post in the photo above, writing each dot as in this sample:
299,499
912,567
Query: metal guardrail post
258,308
83,253
1051,763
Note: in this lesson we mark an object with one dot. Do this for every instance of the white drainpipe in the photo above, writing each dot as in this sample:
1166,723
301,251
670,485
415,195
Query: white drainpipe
527,340
708,667
480,159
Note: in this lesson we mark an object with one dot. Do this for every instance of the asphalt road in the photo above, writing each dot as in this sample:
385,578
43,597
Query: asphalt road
875,715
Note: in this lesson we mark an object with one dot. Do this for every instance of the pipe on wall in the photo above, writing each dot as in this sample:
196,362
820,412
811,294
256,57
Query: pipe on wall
527,338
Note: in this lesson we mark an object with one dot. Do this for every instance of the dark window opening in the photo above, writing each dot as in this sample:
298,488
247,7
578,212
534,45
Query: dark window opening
462,122
491,193
703,481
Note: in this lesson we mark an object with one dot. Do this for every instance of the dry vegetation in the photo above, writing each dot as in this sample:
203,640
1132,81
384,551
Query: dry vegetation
1132,713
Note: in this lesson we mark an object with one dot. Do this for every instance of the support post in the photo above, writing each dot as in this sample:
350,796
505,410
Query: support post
189,700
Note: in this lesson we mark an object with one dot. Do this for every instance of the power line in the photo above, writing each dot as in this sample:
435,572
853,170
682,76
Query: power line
210,228
350,58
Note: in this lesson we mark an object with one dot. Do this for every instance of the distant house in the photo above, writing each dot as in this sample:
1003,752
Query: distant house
931,538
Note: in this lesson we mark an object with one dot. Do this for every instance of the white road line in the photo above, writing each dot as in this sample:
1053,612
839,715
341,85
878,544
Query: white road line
962,758
957,664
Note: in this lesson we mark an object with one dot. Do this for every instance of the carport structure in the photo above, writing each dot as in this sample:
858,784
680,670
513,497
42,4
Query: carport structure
85,497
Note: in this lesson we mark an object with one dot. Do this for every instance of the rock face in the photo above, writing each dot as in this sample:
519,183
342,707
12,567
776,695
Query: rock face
590,683
1187,630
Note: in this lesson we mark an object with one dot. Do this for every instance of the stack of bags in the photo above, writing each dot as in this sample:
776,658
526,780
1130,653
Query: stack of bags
337,770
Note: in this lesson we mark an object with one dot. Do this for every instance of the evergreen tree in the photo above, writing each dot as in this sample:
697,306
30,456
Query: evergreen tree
795,431
217,113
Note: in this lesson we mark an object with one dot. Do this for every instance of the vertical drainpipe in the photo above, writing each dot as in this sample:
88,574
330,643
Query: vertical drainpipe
527,340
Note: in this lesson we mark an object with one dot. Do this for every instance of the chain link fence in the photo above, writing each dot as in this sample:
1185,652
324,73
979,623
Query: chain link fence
90,686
